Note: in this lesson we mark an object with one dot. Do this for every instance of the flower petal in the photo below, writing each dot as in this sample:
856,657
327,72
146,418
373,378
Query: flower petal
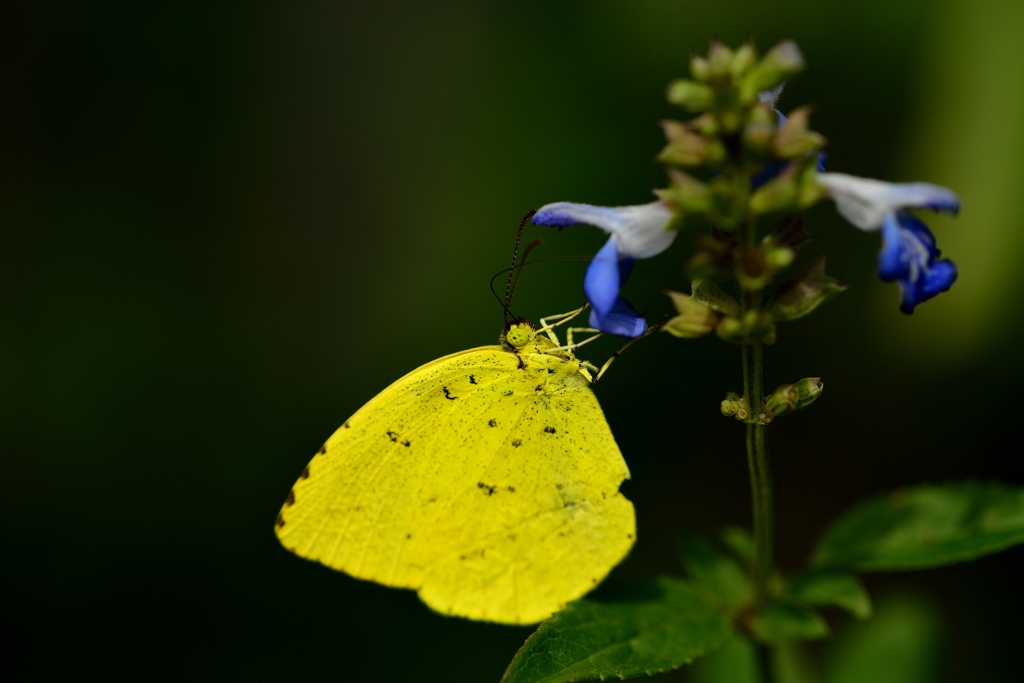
604,278
640,230
622,320
866,202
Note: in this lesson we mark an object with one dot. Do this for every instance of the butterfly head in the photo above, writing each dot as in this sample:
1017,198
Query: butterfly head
518,333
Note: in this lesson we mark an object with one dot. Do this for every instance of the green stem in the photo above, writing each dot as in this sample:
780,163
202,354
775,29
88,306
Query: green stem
760,476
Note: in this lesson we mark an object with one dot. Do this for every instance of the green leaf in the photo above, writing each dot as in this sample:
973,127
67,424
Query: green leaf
926,526
779,623
643,627
719,573
830,587
734,662
901,644
740,542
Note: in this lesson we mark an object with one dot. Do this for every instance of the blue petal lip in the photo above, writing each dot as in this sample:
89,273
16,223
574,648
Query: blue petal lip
622,320
909,255
939,278
565,214
604,278
947,204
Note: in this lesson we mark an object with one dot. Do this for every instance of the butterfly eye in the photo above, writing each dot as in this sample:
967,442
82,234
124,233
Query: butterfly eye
518,336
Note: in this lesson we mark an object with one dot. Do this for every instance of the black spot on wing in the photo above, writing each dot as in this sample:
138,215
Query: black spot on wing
305,473
492,423
279,522
549,430
448,394
485,487
323,449
472,379
290,500
516,443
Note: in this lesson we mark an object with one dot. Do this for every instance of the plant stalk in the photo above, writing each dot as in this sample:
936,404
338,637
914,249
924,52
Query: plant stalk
760,475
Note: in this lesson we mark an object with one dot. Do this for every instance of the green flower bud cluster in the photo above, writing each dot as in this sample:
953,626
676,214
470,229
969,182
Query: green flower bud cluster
730,166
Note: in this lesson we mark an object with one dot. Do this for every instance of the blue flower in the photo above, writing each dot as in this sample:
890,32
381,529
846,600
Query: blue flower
909,255
636,232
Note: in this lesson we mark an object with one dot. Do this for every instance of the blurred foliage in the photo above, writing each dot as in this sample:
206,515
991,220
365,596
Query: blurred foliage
227,225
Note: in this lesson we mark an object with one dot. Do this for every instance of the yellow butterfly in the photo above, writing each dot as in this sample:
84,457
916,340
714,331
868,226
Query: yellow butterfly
487,481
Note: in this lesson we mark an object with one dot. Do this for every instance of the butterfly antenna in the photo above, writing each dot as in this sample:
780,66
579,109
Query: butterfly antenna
522,264
512,269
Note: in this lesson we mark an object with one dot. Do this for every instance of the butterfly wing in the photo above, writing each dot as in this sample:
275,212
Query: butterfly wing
489,487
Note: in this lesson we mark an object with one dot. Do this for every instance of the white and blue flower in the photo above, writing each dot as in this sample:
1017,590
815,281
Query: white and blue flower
636,232
908,254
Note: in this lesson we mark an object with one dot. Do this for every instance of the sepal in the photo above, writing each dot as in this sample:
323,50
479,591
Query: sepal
686,194
781,401
687,148
794,138
778,194
711,295
790,397
694,318
804,293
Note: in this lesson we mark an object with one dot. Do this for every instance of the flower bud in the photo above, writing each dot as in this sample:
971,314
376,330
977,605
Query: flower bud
781,62
794,138
754,327
699,68
690,95
719,59
695,319
735,405
809,389
804,293
742,60
779,257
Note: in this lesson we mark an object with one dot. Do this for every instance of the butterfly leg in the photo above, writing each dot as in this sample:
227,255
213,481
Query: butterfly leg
572,346
560,318
568,335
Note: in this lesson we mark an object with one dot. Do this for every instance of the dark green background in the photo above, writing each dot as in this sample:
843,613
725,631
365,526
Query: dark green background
226,225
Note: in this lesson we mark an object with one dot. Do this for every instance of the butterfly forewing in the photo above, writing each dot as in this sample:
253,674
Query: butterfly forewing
487,484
